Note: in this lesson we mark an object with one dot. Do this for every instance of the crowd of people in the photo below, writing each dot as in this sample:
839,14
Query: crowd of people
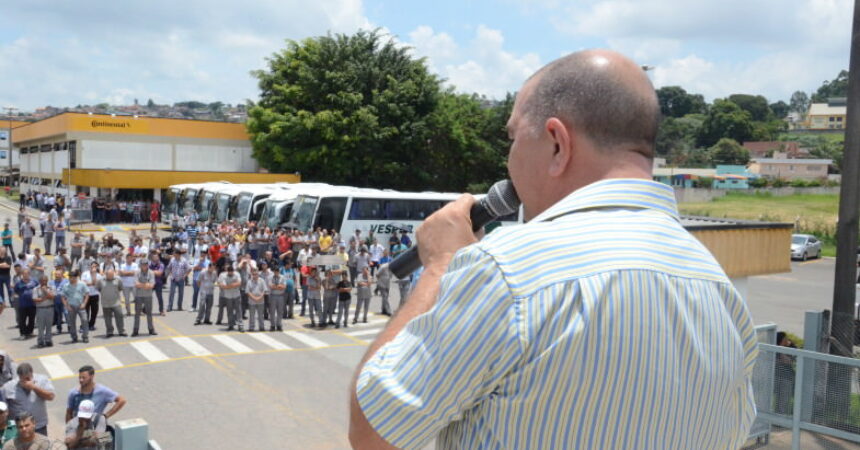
24,397
259,275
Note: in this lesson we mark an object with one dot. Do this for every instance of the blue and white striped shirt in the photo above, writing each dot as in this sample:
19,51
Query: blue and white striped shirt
600,324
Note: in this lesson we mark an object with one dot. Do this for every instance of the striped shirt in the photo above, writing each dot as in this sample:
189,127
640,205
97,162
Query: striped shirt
601,323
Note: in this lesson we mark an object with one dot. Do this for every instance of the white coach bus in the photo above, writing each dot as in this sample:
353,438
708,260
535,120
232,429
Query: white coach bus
279,206
379,211
174,200
248,204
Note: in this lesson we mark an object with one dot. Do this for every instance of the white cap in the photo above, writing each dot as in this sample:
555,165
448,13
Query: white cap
86,409
3,407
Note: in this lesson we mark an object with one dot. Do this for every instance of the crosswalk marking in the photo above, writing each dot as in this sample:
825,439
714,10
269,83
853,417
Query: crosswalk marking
305,339
266,339
192,346
149,351
104,358
55,366
364,332
234,345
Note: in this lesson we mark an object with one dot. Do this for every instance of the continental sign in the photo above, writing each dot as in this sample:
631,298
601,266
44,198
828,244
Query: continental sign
102,124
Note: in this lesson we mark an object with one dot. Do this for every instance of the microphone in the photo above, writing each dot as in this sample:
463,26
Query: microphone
501,200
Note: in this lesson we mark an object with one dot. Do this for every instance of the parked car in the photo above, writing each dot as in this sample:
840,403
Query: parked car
805,246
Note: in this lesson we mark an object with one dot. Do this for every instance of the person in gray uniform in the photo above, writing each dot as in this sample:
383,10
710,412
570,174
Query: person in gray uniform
383,286
404,284
27,233
256,289
43,296
314,296
329,285
110,288
144,283
277,300
48,235
206,283
363,284
344,295
229,283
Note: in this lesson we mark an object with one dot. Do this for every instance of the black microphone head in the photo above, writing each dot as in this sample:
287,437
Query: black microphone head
501,199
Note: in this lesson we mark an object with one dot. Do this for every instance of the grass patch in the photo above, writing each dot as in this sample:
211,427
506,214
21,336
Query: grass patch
810,213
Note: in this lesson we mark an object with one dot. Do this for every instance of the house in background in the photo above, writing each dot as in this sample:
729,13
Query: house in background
790,169
827,116
682,177
775,149
732,177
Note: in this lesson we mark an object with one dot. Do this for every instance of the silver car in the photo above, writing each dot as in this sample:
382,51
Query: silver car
805,246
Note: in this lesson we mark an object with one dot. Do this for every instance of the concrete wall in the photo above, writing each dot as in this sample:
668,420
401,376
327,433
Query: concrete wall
687,195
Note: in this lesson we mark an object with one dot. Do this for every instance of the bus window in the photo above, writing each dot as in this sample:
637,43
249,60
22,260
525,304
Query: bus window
398,209
366,209
303,215
330,213
424,208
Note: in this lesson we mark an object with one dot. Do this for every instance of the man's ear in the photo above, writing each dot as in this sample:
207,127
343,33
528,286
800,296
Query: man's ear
563,143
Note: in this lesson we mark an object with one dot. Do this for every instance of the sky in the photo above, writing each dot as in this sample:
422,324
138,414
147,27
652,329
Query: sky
62,53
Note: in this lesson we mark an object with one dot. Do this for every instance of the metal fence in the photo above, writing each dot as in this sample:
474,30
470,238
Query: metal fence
805,390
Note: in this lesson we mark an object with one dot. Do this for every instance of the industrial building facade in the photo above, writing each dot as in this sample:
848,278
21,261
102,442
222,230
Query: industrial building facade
132,157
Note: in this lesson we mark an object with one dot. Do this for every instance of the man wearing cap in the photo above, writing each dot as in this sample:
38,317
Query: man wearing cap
29,393
27,437
8,430
87,428
100,395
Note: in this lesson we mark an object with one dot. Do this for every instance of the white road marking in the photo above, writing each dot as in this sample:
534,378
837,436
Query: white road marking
149,351
364,332
192,346
55,366
305,339
234,345
104,358
271,342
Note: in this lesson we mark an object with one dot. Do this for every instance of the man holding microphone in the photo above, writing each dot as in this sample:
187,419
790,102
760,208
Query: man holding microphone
600,323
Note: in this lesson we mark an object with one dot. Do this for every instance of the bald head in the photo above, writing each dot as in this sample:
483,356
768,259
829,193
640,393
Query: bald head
599,93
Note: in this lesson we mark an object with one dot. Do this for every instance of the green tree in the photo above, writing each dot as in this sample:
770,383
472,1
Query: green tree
468,143
725,119
768,131
837,87
190,104
676,102
216,109
728,151
677,133
345,109
150,103
756,105
780,109
799,102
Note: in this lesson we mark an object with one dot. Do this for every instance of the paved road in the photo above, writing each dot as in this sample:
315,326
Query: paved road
784,298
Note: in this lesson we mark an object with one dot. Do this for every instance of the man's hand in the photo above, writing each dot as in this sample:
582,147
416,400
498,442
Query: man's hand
444,232
28,385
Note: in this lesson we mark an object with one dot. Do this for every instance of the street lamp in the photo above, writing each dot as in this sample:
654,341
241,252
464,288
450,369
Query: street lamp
9,110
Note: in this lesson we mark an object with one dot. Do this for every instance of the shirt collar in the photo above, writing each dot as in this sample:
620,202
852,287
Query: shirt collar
615,193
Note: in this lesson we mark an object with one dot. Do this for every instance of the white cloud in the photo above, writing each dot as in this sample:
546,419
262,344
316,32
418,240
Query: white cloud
91,52
717,48
482,66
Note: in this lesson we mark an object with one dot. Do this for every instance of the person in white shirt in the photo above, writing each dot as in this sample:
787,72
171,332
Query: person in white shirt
304,254
127,271
376,252
91,279
233,250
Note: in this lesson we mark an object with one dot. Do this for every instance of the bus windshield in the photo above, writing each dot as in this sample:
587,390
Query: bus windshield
222,204
241,207
204,203
303,213
170,198
190,197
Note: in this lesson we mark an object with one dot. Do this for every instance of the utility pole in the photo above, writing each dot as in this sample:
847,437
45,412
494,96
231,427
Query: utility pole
844,290
9,110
